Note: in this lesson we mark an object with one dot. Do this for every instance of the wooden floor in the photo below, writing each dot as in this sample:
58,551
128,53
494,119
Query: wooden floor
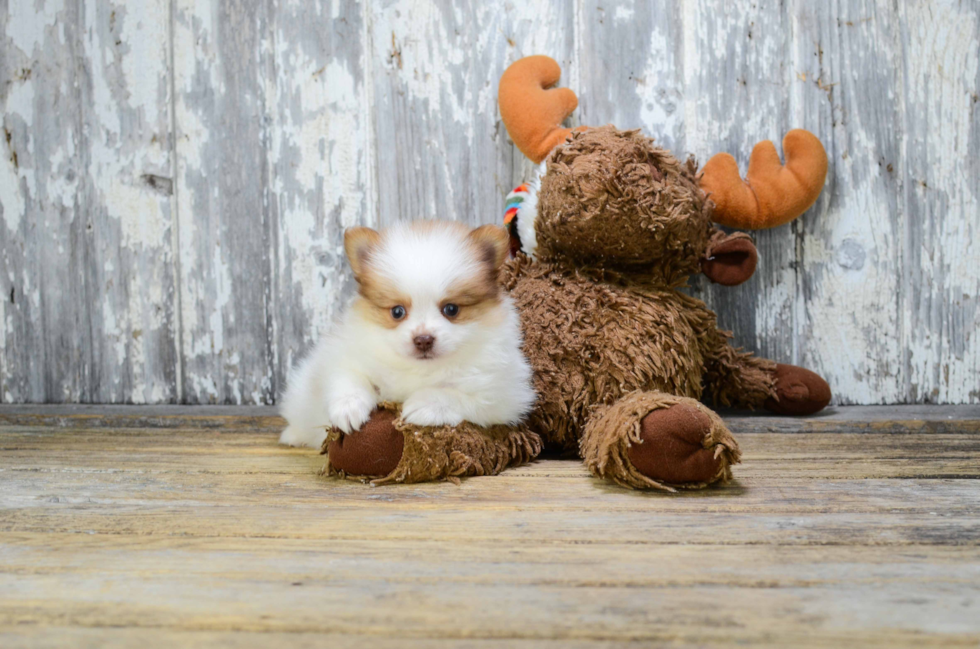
191,527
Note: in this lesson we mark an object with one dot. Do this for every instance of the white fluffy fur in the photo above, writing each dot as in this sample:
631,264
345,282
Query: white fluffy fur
527,213
477,374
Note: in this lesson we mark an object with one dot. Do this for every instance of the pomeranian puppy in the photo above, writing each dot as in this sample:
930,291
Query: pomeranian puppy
429,328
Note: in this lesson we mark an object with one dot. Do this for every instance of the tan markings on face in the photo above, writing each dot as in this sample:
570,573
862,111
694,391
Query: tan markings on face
379,295
475,296
434,226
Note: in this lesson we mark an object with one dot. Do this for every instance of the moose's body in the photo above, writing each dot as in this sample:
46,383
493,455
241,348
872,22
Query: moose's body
619,226
593,340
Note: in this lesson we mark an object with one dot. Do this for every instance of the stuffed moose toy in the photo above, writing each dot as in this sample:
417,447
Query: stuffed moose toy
603,240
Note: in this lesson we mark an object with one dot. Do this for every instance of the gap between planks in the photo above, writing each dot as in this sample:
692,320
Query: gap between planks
899,418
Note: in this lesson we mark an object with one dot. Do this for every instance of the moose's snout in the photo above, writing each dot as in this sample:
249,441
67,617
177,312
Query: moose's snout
424,342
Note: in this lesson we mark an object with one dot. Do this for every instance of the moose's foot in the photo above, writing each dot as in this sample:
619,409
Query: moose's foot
373,451
676,446
387,449
656,440
798,391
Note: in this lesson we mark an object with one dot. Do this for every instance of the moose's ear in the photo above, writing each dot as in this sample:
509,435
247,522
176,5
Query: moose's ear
357,244
494,242
730,259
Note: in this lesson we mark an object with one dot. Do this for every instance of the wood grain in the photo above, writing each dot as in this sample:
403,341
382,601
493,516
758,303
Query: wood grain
939,296
222,74
441,149
175,175
321,168
218,536
85,201
844,419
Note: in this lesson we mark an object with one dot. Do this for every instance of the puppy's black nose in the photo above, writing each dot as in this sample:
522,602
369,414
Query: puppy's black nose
424,342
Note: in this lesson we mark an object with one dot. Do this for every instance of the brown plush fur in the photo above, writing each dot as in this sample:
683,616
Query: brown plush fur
592,337
621,225
611,199
613,429
449,452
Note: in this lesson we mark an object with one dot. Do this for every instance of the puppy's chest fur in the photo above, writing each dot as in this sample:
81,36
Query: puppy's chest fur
589,342
396,384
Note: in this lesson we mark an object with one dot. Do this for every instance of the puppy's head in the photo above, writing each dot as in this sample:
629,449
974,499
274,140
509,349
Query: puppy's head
429,288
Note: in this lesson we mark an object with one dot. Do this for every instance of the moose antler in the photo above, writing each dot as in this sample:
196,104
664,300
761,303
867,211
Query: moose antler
771,194
531,109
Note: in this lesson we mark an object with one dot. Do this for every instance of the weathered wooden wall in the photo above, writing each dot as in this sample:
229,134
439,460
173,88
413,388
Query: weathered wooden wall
175,175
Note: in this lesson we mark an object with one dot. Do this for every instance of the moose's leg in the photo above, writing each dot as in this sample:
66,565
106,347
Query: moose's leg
742,380
387,450
798,391
373,451
652,440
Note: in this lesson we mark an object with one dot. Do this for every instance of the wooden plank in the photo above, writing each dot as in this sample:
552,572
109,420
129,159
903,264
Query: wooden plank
818,489
846,62
28,636
884,442
857,419
631,69
844,419
40,114
35,554
56,637
441,151
483,591
223,68
295,484
513,524
86,208
940,273
321,161
131,284
263,418
299,462
736,79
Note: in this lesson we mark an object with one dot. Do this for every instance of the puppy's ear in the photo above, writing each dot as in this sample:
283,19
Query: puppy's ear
493,242
358,243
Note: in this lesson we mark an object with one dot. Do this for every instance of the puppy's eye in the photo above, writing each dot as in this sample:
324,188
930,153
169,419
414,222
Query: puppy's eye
398,312
450,310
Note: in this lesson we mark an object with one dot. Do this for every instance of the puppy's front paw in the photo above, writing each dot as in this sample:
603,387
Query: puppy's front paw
431,409
296,436
350,411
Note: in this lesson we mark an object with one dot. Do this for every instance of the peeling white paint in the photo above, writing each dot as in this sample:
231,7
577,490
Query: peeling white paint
348,113
624,13
143,32
321,176
943,41
418,32
659,88
28,20
20,102
13,201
